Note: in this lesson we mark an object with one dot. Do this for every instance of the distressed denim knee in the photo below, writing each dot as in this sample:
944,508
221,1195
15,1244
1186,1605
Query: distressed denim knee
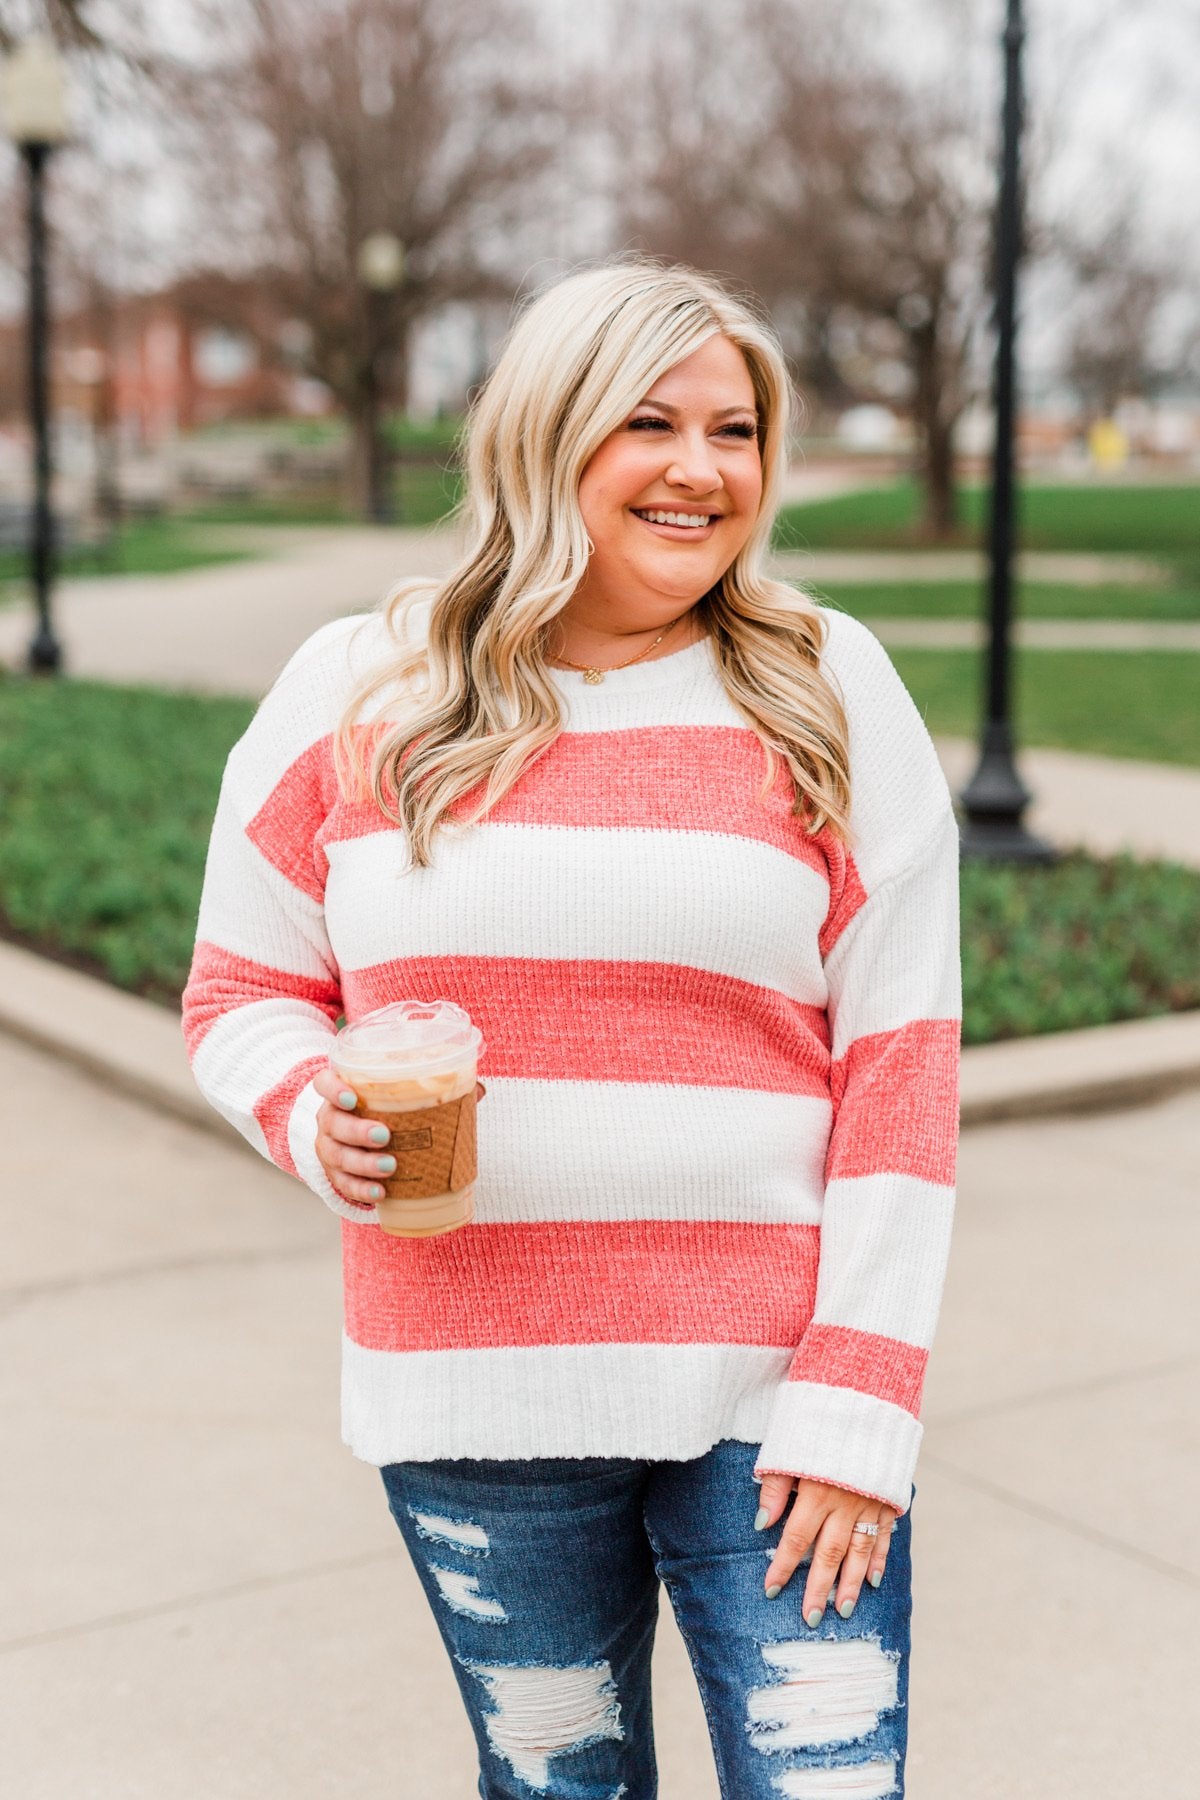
549,1635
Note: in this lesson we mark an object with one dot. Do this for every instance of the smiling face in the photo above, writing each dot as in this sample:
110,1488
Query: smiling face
670,496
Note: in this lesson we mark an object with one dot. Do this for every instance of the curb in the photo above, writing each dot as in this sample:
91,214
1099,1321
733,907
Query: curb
129,1043
137,1048
1102,1067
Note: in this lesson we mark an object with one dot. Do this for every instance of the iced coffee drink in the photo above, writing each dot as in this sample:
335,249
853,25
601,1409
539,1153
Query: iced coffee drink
412,1065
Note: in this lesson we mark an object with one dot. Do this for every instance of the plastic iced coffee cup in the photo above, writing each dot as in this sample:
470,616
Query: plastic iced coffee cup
412,1065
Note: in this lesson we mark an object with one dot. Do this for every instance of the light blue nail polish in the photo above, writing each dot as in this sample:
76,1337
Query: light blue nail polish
774,1591
386,1165
379,1134
348,1100
760,1518
845,1609
875,1577
376,1192
814,1618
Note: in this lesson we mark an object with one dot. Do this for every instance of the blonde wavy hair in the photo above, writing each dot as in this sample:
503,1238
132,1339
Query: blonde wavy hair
481,708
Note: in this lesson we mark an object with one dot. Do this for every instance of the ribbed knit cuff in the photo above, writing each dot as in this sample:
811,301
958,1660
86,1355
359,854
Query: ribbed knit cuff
844,1437
302,1142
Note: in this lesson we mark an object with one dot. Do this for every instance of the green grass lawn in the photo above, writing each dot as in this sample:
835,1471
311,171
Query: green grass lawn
1035,600
1161,523
107,800
108,796
1113,703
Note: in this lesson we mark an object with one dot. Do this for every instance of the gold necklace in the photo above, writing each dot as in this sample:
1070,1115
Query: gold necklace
594,676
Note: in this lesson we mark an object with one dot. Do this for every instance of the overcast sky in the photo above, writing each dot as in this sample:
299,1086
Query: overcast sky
1117,81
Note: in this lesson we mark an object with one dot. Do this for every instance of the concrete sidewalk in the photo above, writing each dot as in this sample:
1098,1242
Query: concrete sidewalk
230,628
1116,635
205,1594
1106,804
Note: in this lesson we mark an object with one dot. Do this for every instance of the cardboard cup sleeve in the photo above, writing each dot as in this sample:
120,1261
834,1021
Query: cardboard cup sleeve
434,1147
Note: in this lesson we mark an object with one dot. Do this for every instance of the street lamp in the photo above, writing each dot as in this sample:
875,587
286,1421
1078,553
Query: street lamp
995,797
33,98
381,270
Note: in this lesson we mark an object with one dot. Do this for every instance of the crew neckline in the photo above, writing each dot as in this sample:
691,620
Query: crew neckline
664,671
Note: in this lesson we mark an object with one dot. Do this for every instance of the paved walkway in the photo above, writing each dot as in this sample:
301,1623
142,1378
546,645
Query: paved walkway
204,1593
1042,634
230,628
1105,804
888,566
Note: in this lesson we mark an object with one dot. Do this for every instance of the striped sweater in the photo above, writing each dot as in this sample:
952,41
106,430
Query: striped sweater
717,1148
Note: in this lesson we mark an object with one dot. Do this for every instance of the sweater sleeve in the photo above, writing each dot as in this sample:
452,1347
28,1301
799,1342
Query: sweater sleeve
848,1410
264,991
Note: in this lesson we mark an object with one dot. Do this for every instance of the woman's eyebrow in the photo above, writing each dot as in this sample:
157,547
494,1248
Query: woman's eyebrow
724,412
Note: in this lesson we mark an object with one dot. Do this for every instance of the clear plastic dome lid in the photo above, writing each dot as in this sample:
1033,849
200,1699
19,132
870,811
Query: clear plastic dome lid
413,1035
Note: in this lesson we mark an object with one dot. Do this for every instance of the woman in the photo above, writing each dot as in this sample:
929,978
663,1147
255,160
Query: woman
676,838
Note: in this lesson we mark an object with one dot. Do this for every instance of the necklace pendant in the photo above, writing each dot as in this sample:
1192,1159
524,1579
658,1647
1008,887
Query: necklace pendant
593,677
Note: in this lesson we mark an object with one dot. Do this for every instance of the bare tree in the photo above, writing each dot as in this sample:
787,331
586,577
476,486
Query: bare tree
323,122
102,42
852,198
67,21
889,211
1122,290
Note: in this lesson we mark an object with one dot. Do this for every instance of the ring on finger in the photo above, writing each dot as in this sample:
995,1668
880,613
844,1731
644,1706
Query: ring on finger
866,1529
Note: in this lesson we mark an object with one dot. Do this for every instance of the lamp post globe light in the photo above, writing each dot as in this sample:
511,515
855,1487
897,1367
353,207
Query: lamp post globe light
381,270
995,797
33,101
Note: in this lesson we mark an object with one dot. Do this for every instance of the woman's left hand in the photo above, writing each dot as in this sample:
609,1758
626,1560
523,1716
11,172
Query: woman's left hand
824,1517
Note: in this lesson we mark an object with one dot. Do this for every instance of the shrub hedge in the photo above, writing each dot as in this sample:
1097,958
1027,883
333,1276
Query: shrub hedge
107,796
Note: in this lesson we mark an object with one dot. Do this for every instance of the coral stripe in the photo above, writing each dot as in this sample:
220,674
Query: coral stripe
701,778
220,981
602,1020
883,1366
846,891
895,1098
286,824
618,1282
666,777
273,1110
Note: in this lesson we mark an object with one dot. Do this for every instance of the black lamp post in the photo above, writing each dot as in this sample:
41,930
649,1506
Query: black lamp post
381,270
995,797
34,101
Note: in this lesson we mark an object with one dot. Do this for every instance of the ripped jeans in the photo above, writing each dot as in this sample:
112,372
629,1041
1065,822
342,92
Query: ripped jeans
543,1577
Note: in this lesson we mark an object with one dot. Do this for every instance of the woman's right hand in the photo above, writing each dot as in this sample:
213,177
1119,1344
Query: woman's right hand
349,1147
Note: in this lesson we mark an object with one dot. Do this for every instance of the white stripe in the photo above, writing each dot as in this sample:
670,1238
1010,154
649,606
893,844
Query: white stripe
898,959
700,701
251,910
729,905
837,1434
883,1242
247,1051
640,1150
642,1400
897,787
